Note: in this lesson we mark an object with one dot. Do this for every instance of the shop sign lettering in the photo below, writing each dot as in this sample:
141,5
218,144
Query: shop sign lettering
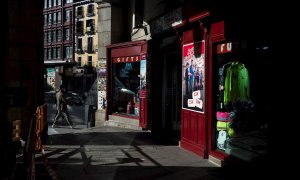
127,59
224,48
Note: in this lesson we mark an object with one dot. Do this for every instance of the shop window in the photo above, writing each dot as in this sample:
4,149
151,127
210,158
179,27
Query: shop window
238,126
126,87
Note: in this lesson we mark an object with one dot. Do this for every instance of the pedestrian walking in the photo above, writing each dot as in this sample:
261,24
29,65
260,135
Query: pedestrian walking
61,107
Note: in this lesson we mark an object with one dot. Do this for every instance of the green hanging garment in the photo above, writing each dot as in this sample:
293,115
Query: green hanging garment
236,83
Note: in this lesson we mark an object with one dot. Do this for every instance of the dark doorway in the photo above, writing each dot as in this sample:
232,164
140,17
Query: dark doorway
171,95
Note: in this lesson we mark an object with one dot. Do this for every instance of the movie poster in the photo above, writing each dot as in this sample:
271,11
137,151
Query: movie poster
193,84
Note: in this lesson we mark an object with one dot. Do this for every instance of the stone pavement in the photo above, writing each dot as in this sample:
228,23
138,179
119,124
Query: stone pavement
112,153
116,153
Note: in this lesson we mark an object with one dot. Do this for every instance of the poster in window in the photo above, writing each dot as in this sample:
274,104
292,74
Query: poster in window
143,75
193,84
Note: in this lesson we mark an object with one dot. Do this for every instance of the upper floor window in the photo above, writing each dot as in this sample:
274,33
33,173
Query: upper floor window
54,18
45,53
54,53
79,61
49,3
90,26
49,36
58,2
49,53
45,4
45,36
68,52
90,61
79,12
45,19
58,17
49,19
58,54
79,44
58,35
54,37
68,1
67,16
79,28
138,13
90,45
90,10
67,34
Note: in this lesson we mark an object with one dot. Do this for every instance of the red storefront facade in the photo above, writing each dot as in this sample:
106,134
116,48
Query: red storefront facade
231,120
203,81
127,88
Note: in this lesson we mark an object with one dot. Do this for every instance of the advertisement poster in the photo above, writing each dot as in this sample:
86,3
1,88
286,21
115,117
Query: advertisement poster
51,78
143,78
193,83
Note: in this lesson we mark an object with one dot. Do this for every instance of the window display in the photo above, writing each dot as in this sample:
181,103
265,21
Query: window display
236,126
126,86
